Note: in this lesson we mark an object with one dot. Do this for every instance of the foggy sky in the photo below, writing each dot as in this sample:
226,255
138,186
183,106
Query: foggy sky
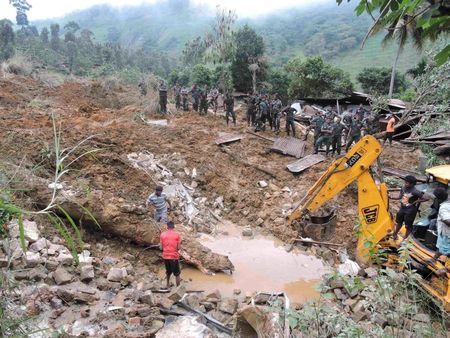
45,9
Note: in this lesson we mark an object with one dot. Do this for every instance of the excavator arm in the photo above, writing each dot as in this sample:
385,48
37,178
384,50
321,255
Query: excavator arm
373,206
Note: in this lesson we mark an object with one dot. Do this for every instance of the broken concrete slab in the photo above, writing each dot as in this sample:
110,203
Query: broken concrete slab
289,146
305,163
32,259
39,245
117,275
87,273
257,319
402,173
228,305
162,123
62,276
186,327
226,138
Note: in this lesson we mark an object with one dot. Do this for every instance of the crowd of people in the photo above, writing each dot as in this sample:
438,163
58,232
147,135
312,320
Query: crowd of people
331,129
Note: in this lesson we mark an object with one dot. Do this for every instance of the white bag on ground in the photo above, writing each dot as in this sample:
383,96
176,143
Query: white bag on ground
349,268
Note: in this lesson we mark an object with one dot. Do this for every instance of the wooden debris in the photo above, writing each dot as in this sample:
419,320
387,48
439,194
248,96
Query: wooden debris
403,173
301,240
210,319
226,138
268,139
252,165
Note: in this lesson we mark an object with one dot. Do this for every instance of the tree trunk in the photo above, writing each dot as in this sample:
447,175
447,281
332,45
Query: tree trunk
254,81
126,220
394,68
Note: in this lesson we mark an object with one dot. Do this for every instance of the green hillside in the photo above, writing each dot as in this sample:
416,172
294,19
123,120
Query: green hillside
332,31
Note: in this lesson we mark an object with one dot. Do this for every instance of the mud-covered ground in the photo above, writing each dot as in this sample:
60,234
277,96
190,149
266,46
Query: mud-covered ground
113,116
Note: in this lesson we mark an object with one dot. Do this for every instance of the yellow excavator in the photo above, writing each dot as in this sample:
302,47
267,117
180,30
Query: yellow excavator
376,221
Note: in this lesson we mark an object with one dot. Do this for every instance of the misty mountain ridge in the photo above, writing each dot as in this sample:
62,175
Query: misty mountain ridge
329,30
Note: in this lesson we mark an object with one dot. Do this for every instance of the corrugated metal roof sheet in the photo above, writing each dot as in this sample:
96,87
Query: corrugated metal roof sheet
289,146
305,163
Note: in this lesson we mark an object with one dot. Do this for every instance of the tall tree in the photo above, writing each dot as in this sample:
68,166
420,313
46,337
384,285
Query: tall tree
247,61
72,51
221,45
402,30
72,27
44,35
377,80
54,36
430,17
315,78
22,7
6,39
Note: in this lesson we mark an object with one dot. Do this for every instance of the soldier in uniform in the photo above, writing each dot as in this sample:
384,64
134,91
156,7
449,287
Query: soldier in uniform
371,124
276,105
214,95
184,95
290,125
316,124
250,110
361,112
325,136
229,108
263,110
142,88
336,136
195,97
177,95
204,101
354,133
163,97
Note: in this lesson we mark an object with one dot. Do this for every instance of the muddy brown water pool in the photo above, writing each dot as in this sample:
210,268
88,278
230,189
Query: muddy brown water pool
261,264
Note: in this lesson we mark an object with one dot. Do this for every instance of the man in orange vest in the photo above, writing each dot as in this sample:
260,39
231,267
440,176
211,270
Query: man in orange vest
389,129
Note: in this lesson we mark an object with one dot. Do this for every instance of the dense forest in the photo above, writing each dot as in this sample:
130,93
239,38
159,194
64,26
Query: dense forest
308,51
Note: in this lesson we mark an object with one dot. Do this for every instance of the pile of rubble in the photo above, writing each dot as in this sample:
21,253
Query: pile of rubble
371,302
189,206
105,296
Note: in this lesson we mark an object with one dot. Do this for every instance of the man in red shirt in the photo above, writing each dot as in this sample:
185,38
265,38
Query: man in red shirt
170,244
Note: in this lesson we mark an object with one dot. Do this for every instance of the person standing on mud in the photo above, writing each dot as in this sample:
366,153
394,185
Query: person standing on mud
229,108
276,105
177,96
390,129
170,245
184,96
195,92
290,125
336,136
163,97
160,201
325,138
142,88
354,132
204,101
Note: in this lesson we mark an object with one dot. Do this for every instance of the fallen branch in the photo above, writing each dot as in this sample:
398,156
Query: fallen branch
268,139
300,240
192,261
211,320
255,166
